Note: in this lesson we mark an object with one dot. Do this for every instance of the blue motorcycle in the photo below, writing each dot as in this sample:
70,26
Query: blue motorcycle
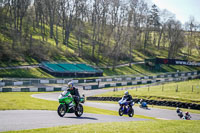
126,108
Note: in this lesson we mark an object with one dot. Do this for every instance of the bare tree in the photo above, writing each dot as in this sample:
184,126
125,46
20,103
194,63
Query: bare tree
175,38
165,15
191,29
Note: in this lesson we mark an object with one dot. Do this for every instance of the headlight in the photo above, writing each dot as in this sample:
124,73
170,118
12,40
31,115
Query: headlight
59,97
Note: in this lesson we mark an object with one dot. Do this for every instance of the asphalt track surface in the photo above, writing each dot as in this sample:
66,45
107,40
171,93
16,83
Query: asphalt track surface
33,119
164,114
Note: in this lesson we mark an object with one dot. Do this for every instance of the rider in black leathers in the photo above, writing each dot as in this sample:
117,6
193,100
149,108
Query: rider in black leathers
74,92
128,97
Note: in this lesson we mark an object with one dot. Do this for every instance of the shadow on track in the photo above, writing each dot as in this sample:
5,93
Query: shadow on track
89,118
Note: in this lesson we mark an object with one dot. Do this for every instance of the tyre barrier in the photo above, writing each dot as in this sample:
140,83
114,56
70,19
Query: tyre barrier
151,102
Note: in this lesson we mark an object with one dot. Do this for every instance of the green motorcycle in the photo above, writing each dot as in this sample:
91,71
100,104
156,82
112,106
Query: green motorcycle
68,105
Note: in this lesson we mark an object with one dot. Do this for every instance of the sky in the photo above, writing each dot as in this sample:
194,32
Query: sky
183,9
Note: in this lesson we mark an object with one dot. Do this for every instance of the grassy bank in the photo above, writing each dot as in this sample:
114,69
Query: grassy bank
187,91
25,73
144,70
135,69
128,127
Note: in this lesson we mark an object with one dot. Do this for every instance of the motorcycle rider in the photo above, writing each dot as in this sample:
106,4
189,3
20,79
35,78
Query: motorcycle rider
187,116
179,112
142,103
74,92
128,97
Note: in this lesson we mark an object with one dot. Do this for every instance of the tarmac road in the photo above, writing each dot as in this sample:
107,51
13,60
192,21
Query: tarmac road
31,119
151,112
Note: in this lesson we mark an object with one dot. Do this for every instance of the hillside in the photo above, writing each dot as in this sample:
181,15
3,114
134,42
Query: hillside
44,32
47,50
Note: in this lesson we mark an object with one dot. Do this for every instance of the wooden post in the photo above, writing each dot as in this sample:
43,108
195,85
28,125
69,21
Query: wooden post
192,88
177,88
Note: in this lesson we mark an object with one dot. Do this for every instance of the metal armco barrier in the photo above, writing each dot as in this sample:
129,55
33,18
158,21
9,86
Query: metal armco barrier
39,89
124,81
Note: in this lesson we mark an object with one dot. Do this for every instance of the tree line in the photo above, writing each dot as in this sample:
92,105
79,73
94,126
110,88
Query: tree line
112,28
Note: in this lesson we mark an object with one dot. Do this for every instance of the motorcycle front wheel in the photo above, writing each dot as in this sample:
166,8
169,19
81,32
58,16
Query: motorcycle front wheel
131,112
61,110
121,112
79,110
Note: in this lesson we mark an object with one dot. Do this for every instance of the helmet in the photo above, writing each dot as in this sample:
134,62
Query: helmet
126,93
70,85
187,113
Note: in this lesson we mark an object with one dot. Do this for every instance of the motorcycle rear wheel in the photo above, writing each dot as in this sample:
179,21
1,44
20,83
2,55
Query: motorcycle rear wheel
79,110
61,110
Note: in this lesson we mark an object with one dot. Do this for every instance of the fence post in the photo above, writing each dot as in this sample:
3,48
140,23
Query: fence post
177,88
192,88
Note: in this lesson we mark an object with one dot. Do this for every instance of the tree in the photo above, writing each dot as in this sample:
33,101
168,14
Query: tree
191,29
175,38
154,21
165,15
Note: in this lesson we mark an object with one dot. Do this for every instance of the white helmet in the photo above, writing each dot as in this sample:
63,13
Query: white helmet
70,85
126,93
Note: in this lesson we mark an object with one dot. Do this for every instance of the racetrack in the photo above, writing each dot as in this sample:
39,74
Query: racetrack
32,119
151,112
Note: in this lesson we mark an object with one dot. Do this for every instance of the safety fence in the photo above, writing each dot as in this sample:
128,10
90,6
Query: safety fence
33,89
139,82
119,82
128,78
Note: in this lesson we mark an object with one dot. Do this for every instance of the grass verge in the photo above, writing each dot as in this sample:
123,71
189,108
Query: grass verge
25,73
159,126
187,91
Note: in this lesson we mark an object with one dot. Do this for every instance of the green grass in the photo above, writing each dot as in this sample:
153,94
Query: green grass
25,73
24,101
184,93
159,126
144,70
